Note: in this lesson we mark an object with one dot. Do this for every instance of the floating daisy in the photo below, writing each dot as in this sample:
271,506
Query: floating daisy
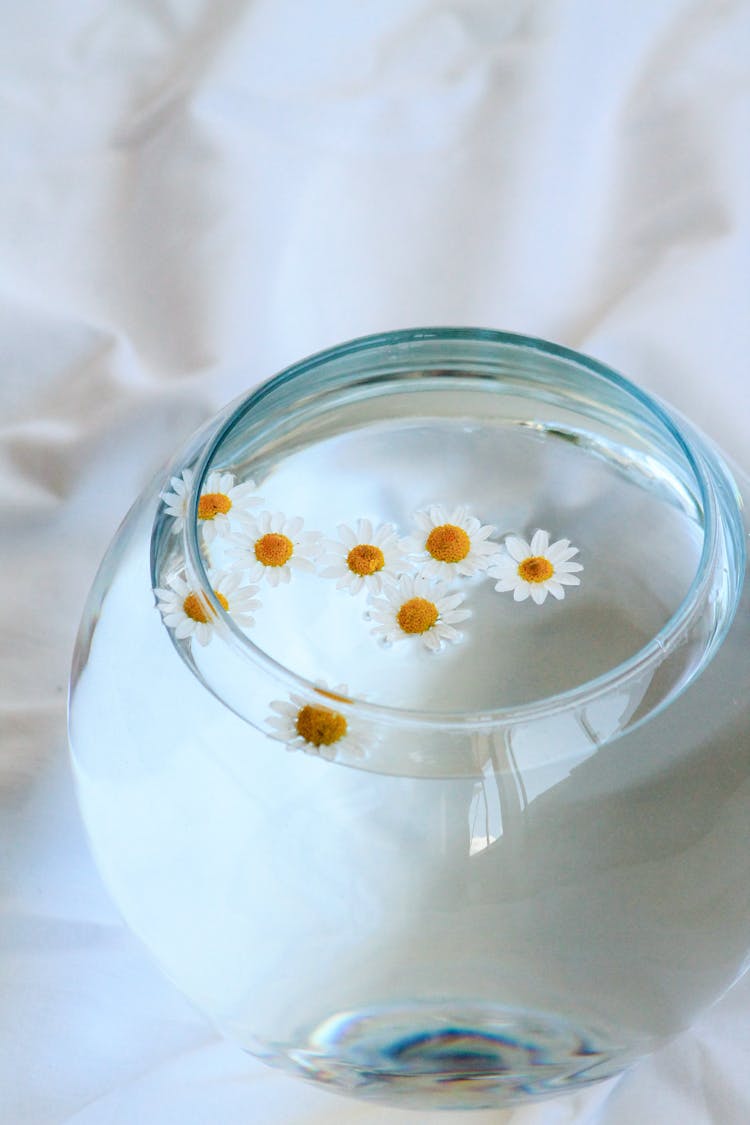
363,557
272,546
537,568
451,543
221,501
188,615
316,728
416,607
177,500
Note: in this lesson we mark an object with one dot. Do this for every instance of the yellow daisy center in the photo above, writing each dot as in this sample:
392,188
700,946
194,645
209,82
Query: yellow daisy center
319,725
448,543
194,608
365,559
536,569
417,615
274,549
213,504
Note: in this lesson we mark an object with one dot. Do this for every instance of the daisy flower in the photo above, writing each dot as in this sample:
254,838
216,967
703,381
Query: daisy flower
272,546
451,543
537,568
220,501
316,728
416,607
187,614
363,557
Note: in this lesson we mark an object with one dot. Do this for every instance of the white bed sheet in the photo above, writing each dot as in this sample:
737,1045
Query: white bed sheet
196,193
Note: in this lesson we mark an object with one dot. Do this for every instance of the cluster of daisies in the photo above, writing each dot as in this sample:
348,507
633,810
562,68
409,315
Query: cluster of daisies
407,580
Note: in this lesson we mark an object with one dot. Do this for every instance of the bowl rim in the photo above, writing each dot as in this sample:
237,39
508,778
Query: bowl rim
616,679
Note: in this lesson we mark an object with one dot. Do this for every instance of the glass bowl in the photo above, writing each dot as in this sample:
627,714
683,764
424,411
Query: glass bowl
410,723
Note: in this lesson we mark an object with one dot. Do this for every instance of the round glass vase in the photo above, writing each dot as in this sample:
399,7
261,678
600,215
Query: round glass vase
499,858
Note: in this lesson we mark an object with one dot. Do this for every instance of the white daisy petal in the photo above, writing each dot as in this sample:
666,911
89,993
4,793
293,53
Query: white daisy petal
347,536
418,610
364,557
452,600
188,615
220,505
330,569
239,601
450,634
505,585
184,611
229,583
203,634
518,549
184,628
503,566
539,542
224,505
296,562
456,615
451,543
561,551
536,569
270,546
176,501
316,726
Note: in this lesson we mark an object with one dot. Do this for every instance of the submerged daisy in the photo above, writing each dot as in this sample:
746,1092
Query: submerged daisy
187,613
272,546
221,500
363,557
537,568
316,728
416,607
451,543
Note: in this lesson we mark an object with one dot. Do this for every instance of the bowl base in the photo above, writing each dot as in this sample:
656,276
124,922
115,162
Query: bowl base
450,1056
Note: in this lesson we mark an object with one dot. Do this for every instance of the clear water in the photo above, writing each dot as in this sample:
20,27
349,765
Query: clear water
638,536
459,941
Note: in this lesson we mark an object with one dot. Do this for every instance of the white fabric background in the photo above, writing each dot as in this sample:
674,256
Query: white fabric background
196,193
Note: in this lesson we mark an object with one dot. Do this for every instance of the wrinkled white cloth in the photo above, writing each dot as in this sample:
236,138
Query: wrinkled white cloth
197,192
